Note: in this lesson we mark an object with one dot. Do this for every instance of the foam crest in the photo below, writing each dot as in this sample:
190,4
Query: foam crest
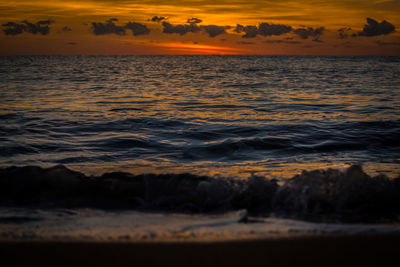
322,195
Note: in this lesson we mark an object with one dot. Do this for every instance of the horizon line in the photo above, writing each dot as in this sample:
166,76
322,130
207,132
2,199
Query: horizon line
266,55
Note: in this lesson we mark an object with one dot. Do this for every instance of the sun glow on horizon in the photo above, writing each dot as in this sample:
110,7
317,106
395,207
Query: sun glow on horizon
194,49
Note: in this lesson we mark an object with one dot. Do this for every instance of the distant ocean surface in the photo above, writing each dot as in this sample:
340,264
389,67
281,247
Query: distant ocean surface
235,116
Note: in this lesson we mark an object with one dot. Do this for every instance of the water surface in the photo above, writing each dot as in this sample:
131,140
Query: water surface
214,115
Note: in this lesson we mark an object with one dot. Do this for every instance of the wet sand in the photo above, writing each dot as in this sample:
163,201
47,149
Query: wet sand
347,250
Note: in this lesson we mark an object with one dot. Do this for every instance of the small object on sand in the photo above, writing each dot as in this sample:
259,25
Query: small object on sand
243,216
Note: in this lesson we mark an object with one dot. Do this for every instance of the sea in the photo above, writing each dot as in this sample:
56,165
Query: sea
230,125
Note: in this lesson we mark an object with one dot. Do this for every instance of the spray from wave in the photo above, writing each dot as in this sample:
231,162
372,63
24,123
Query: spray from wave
321,195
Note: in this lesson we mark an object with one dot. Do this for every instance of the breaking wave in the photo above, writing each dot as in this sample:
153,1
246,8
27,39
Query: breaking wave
321,195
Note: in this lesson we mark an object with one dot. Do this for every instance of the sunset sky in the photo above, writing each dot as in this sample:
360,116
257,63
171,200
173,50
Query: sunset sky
311,27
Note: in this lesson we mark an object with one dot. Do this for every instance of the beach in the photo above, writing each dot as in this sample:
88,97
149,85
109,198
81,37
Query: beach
122,238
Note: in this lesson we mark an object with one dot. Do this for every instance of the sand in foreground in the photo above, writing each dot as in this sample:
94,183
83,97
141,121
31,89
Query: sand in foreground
371,250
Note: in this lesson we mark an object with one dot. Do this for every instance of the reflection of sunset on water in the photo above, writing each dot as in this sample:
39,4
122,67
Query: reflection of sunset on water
214,115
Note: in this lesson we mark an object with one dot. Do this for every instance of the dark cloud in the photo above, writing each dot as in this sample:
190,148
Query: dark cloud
304,33
194,20
157,19
45,22
266,29
343,33
40,27
285,41
245,43
12,28
180,29
66,29
374,28
137,28
72,43
250,31
239,28
381,43
213,30
108,27
317,40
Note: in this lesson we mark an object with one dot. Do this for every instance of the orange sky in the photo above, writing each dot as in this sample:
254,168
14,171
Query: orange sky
294,27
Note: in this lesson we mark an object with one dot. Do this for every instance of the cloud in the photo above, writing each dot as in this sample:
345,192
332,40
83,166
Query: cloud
317,40
343,33
194,20
158,19
72,43
108,27
381,43
40,27
180,29
282,42
13,28
213,30
45,22
66,29
304,33
245,43
263,29
239,28
374,28
266,29
137,28
250,31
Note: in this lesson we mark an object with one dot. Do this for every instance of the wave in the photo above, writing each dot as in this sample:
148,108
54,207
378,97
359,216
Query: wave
321,195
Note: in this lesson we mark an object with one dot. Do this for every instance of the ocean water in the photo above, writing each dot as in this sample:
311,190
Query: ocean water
231,116
198,147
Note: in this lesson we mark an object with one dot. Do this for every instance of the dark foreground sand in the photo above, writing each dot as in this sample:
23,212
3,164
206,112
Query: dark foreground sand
371,250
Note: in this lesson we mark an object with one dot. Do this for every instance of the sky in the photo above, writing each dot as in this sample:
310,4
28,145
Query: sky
292,27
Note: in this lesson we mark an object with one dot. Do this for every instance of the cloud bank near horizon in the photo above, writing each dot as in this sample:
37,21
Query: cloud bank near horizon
192,25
